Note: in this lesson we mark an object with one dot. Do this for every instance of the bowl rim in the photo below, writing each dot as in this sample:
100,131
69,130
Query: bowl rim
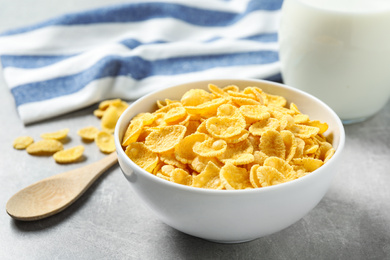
121,153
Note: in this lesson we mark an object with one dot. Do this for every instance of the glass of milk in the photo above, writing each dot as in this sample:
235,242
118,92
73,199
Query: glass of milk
339,51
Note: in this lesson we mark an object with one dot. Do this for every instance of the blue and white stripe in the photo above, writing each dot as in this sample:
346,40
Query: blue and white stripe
128,50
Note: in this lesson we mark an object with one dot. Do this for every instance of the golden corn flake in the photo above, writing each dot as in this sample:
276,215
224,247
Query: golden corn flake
170,158
181,176
45,147
238,153
133,131
106,103
142,156
88,133
208,178
272,144
309,164
69,155
235,178
58,135
105,142
195,97
268,176
253,176
224,127
109,119
165,138
210,148
200,163
22,142
184,149
260,127
98,113
254,113
225,138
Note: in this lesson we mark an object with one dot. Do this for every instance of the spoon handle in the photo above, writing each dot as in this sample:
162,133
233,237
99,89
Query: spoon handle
53,194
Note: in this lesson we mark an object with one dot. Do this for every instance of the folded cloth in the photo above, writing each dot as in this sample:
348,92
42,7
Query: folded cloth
127,50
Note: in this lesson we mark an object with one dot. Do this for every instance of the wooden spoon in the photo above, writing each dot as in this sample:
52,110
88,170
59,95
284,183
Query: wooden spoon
52,195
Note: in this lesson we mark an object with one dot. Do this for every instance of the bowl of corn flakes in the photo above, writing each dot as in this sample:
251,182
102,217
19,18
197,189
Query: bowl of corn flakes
229,160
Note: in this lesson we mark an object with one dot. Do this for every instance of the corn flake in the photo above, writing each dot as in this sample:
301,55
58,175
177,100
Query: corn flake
69,155
45,147
208,178
235,178
105,142
165,138
58,135
88,133
142,156
22,142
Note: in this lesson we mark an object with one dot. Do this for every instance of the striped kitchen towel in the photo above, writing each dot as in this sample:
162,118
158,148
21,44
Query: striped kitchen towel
127,50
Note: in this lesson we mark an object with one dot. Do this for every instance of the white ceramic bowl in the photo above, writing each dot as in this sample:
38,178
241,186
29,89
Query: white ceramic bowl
239,215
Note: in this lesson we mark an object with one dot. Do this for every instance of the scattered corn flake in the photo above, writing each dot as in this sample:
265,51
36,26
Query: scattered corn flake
106,103
88,133
69,155
58,135
98,113
45,147
109,119
142,156
105,142
22,142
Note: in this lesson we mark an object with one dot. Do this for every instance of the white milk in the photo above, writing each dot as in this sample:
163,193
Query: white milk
339,51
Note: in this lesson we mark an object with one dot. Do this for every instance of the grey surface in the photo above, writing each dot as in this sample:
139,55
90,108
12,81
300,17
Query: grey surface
109,222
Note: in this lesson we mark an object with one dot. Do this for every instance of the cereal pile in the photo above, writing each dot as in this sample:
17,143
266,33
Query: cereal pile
109,112
227,139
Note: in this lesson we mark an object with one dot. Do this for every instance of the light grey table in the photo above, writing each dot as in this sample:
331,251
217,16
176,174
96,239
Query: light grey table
109,222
